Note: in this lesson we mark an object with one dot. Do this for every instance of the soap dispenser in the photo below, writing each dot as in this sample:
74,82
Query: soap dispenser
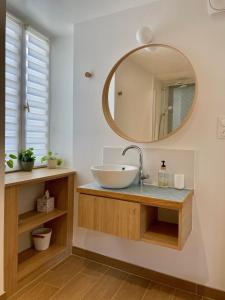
163,176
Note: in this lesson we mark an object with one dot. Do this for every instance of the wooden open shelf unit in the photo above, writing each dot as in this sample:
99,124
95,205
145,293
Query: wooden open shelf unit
21,267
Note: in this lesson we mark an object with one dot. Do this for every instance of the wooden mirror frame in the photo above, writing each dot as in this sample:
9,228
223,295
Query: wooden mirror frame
105,102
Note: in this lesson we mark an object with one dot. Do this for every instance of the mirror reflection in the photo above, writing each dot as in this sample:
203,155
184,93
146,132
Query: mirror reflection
150,94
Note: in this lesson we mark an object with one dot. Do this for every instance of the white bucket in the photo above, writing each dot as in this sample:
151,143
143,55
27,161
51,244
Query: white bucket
41,238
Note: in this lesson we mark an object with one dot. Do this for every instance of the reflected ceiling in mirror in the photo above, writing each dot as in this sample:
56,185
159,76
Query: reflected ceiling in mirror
149,94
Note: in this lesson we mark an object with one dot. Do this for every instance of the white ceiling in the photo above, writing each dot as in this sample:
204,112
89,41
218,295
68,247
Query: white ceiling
57,16
164,63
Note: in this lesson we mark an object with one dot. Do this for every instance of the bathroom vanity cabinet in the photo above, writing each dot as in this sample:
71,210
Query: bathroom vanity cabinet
151,214
117,217
21,268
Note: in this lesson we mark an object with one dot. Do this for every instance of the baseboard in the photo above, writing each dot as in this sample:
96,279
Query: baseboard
3,296
174,282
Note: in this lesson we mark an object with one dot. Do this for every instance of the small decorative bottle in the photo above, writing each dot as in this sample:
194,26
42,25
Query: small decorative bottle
163,176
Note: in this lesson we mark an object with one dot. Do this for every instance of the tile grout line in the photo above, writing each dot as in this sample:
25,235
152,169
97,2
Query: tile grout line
166,285
91,286
75,275
59,289
85,259
129,273
123,283
28,284
40,282
79,272
146,290
115,268
174,294
38,277
95,283
191,294
51,285
51,270
120,285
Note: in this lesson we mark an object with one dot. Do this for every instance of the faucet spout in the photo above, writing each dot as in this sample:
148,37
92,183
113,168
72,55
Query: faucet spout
141,173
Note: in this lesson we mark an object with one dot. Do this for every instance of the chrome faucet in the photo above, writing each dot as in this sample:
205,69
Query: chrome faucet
141,172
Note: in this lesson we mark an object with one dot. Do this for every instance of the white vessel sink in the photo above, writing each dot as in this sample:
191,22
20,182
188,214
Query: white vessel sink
114,176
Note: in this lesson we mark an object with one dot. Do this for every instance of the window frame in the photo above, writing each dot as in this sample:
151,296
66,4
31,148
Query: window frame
23,84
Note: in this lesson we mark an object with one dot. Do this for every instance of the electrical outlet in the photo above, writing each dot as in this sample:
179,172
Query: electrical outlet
221,127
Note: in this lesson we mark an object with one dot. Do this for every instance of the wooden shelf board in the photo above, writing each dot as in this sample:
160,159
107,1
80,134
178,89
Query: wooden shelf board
36,175
162,233
30,260
34,219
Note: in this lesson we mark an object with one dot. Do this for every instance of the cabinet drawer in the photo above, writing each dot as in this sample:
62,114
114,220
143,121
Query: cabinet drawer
112,216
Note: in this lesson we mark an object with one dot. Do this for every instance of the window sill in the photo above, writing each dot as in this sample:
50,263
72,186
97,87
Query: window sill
37,175
20,170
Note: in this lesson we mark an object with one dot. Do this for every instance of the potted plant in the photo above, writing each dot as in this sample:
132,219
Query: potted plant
9,160
52,159
27,159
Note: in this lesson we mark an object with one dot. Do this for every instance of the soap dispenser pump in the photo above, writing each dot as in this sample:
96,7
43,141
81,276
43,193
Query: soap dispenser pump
163,176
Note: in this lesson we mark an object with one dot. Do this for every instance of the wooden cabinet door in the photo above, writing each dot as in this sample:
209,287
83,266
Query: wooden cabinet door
112,216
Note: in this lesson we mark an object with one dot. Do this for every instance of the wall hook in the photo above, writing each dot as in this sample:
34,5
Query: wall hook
88,74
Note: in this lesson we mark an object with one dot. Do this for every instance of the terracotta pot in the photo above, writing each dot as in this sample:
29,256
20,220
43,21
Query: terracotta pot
27,165
52,163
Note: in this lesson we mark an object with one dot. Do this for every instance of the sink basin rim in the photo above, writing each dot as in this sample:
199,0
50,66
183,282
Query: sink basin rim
114,168
113,175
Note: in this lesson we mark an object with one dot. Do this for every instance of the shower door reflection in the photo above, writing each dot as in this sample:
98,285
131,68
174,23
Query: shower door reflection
176,102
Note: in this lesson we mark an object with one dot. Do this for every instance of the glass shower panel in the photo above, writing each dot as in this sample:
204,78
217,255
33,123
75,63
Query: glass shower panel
180,99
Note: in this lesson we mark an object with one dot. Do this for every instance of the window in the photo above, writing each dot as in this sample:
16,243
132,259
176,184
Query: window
37,86
13,86
27,89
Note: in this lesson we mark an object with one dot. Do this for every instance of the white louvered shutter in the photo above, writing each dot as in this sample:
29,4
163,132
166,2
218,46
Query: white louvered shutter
13,85
37,93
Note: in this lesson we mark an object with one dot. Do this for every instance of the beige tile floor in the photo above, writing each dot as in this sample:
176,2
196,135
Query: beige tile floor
79,278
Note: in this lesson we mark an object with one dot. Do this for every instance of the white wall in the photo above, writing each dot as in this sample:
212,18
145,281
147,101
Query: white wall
177,162
135,83
61,95
98,45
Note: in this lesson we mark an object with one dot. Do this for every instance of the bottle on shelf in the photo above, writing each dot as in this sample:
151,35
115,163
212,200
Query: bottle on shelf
163,176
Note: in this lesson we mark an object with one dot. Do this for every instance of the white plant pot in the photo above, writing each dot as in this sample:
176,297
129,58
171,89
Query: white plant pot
52,163
41,238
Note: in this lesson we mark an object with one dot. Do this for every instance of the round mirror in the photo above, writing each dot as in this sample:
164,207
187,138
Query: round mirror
149,94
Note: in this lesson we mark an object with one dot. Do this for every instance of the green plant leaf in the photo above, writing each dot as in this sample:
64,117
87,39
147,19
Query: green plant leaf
59,161
43,159
10,163
27,155
12,156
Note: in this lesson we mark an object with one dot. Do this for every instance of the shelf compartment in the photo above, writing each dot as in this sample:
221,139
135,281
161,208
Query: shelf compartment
30,260
160,226
162,233
33,219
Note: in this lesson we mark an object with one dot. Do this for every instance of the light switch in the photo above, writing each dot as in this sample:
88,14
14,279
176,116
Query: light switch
221,127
